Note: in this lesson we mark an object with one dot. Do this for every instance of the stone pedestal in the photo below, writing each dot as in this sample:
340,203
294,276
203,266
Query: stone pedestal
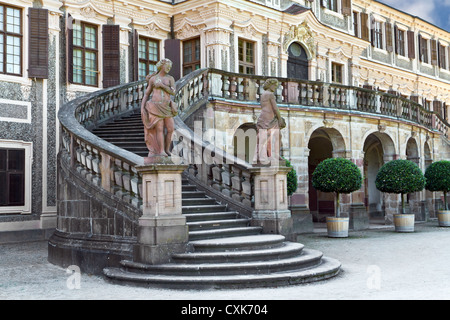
359,219
162,228
301,219
271,203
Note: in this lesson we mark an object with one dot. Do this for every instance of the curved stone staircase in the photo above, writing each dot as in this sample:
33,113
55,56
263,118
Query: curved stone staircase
225,251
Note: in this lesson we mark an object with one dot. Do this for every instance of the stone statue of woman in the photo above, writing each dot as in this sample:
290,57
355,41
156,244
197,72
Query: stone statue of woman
268,126
158,112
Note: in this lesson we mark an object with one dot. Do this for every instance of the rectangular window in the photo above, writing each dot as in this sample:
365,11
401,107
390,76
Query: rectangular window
423,49
12,177
246,53
442,59
332,5
85,54
378,34
400,42
148,56
191,55
355,23
336,73
10,40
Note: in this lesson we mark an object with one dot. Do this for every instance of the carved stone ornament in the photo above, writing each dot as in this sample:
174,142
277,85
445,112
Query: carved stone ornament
189,31
151,28
328,123
302,34
381,127
88,12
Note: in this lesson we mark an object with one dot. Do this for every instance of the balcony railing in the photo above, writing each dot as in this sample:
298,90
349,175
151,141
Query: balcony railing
114,169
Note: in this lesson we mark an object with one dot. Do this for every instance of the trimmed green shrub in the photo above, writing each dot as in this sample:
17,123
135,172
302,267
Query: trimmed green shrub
337,175
438,178
401,177
292,179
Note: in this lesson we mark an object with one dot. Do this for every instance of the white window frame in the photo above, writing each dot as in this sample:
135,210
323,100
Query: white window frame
28,148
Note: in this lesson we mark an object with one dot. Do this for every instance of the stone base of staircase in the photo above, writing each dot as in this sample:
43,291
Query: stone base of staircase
232,262
226,250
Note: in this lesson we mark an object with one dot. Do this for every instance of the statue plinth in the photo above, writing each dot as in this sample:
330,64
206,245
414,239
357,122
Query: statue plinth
162,228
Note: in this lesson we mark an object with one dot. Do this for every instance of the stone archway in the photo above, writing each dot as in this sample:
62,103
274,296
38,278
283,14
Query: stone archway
324,143
378,149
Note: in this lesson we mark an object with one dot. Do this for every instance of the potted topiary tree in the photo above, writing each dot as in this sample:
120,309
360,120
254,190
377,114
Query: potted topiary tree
438,179
401,177
337,175
291,179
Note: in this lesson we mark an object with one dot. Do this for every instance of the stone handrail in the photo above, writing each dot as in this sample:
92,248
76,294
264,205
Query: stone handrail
114,169
302,93
100,162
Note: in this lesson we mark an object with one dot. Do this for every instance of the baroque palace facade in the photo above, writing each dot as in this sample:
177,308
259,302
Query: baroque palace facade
54,51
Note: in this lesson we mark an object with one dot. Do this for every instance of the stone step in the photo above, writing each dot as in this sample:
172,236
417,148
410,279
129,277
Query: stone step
287,250
204,208
188,192
221,233
187,187
309,258
192,217
217,224
197,201
239,243
328,268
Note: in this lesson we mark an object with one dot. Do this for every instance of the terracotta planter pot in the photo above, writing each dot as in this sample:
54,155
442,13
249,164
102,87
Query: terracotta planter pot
337,227
404,222
444,218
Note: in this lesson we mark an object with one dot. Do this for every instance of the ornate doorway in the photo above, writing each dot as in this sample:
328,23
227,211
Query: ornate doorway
297,64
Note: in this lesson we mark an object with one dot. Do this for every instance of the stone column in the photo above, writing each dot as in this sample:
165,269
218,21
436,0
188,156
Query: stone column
359,216
162,228
271,204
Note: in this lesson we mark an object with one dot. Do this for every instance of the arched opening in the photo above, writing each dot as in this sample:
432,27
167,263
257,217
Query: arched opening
378,149
244,141
297,64
324,143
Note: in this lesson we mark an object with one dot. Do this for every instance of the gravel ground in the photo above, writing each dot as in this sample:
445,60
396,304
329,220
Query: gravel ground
376,264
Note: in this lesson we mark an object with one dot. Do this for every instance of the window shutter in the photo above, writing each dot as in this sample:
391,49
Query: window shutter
111,55
389,46
372,30
346,7
364,26
69,48
396,44
434,56
437,107
411,45
172,52
135,55
420,47
38,43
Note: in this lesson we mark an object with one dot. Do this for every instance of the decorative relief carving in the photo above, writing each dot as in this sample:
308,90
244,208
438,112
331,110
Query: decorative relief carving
249,31
88,12
151,28
302,34
189,31
328,123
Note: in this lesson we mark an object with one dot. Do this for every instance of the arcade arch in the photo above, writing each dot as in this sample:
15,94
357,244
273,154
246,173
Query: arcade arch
378,149
324,143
